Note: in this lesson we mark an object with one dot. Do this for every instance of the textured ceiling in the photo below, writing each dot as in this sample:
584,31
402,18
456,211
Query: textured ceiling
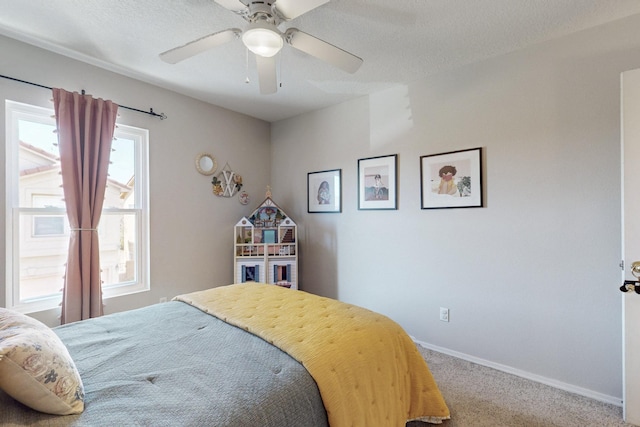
401,41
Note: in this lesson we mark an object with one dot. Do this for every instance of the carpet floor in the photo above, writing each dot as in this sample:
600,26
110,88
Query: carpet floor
479,396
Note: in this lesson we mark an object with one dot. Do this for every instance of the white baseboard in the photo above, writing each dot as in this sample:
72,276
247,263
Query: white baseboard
527,375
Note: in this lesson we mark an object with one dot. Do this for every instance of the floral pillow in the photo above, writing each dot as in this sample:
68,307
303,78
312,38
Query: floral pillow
36,368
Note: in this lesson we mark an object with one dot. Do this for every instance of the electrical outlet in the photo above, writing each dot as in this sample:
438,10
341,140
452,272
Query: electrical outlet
444,314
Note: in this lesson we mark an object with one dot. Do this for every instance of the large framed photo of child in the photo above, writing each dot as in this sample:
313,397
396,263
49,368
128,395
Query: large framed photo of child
377,182
451,180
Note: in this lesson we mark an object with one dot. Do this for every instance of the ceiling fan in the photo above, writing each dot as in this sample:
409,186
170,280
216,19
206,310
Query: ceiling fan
265,40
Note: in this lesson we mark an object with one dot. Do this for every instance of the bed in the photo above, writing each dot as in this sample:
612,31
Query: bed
237,355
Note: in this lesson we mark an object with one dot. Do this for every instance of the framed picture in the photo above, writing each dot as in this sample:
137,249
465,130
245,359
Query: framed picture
324,193
451,180
377,182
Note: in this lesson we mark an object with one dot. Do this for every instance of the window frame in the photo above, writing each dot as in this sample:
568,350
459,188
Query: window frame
16,111
48,214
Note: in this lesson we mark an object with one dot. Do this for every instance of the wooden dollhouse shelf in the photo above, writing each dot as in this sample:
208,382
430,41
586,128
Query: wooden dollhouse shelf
266,247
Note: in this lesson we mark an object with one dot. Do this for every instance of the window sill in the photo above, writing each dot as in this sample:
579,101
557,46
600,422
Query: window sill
55,301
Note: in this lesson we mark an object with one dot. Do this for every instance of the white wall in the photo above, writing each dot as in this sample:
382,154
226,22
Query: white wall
191,229
532,278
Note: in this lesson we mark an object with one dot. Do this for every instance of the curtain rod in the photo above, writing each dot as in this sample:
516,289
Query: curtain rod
162,116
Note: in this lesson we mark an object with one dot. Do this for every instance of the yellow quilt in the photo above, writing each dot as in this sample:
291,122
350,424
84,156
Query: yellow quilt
369,372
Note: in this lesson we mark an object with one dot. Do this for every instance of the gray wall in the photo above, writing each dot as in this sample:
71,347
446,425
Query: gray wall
191,229
532,278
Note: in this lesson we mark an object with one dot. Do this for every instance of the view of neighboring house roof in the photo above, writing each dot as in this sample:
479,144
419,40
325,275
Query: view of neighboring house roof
45,161
40,161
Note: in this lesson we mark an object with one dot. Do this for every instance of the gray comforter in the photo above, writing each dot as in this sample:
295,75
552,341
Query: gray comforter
173,365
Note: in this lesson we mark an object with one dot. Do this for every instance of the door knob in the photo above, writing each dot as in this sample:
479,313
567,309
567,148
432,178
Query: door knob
632,285
635,268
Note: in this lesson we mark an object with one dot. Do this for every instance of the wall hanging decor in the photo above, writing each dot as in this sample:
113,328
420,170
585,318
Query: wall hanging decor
451,180
206,164
227,183
324,191
243,197
377,183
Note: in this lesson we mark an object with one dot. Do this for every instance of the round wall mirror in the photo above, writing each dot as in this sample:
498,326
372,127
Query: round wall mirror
206,164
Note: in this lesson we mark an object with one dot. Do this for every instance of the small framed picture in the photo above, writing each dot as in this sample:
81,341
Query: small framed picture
451,180
324,193
377,182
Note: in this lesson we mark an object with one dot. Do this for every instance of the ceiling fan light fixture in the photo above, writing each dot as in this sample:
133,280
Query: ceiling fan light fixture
262,39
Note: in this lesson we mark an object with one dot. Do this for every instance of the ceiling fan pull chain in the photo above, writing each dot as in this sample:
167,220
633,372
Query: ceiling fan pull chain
246,63
279,64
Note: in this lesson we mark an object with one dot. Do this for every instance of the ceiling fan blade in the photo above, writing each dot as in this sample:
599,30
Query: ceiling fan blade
177,54
267,74
235,6
323,50
289,9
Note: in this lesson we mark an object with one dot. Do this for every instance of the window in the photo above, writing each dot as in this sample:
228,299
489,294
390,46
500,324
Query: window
37,227
49,225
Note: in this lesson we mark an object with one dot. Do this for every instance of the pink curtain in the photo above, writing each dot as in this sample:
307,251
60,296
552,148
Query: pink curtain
85,132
